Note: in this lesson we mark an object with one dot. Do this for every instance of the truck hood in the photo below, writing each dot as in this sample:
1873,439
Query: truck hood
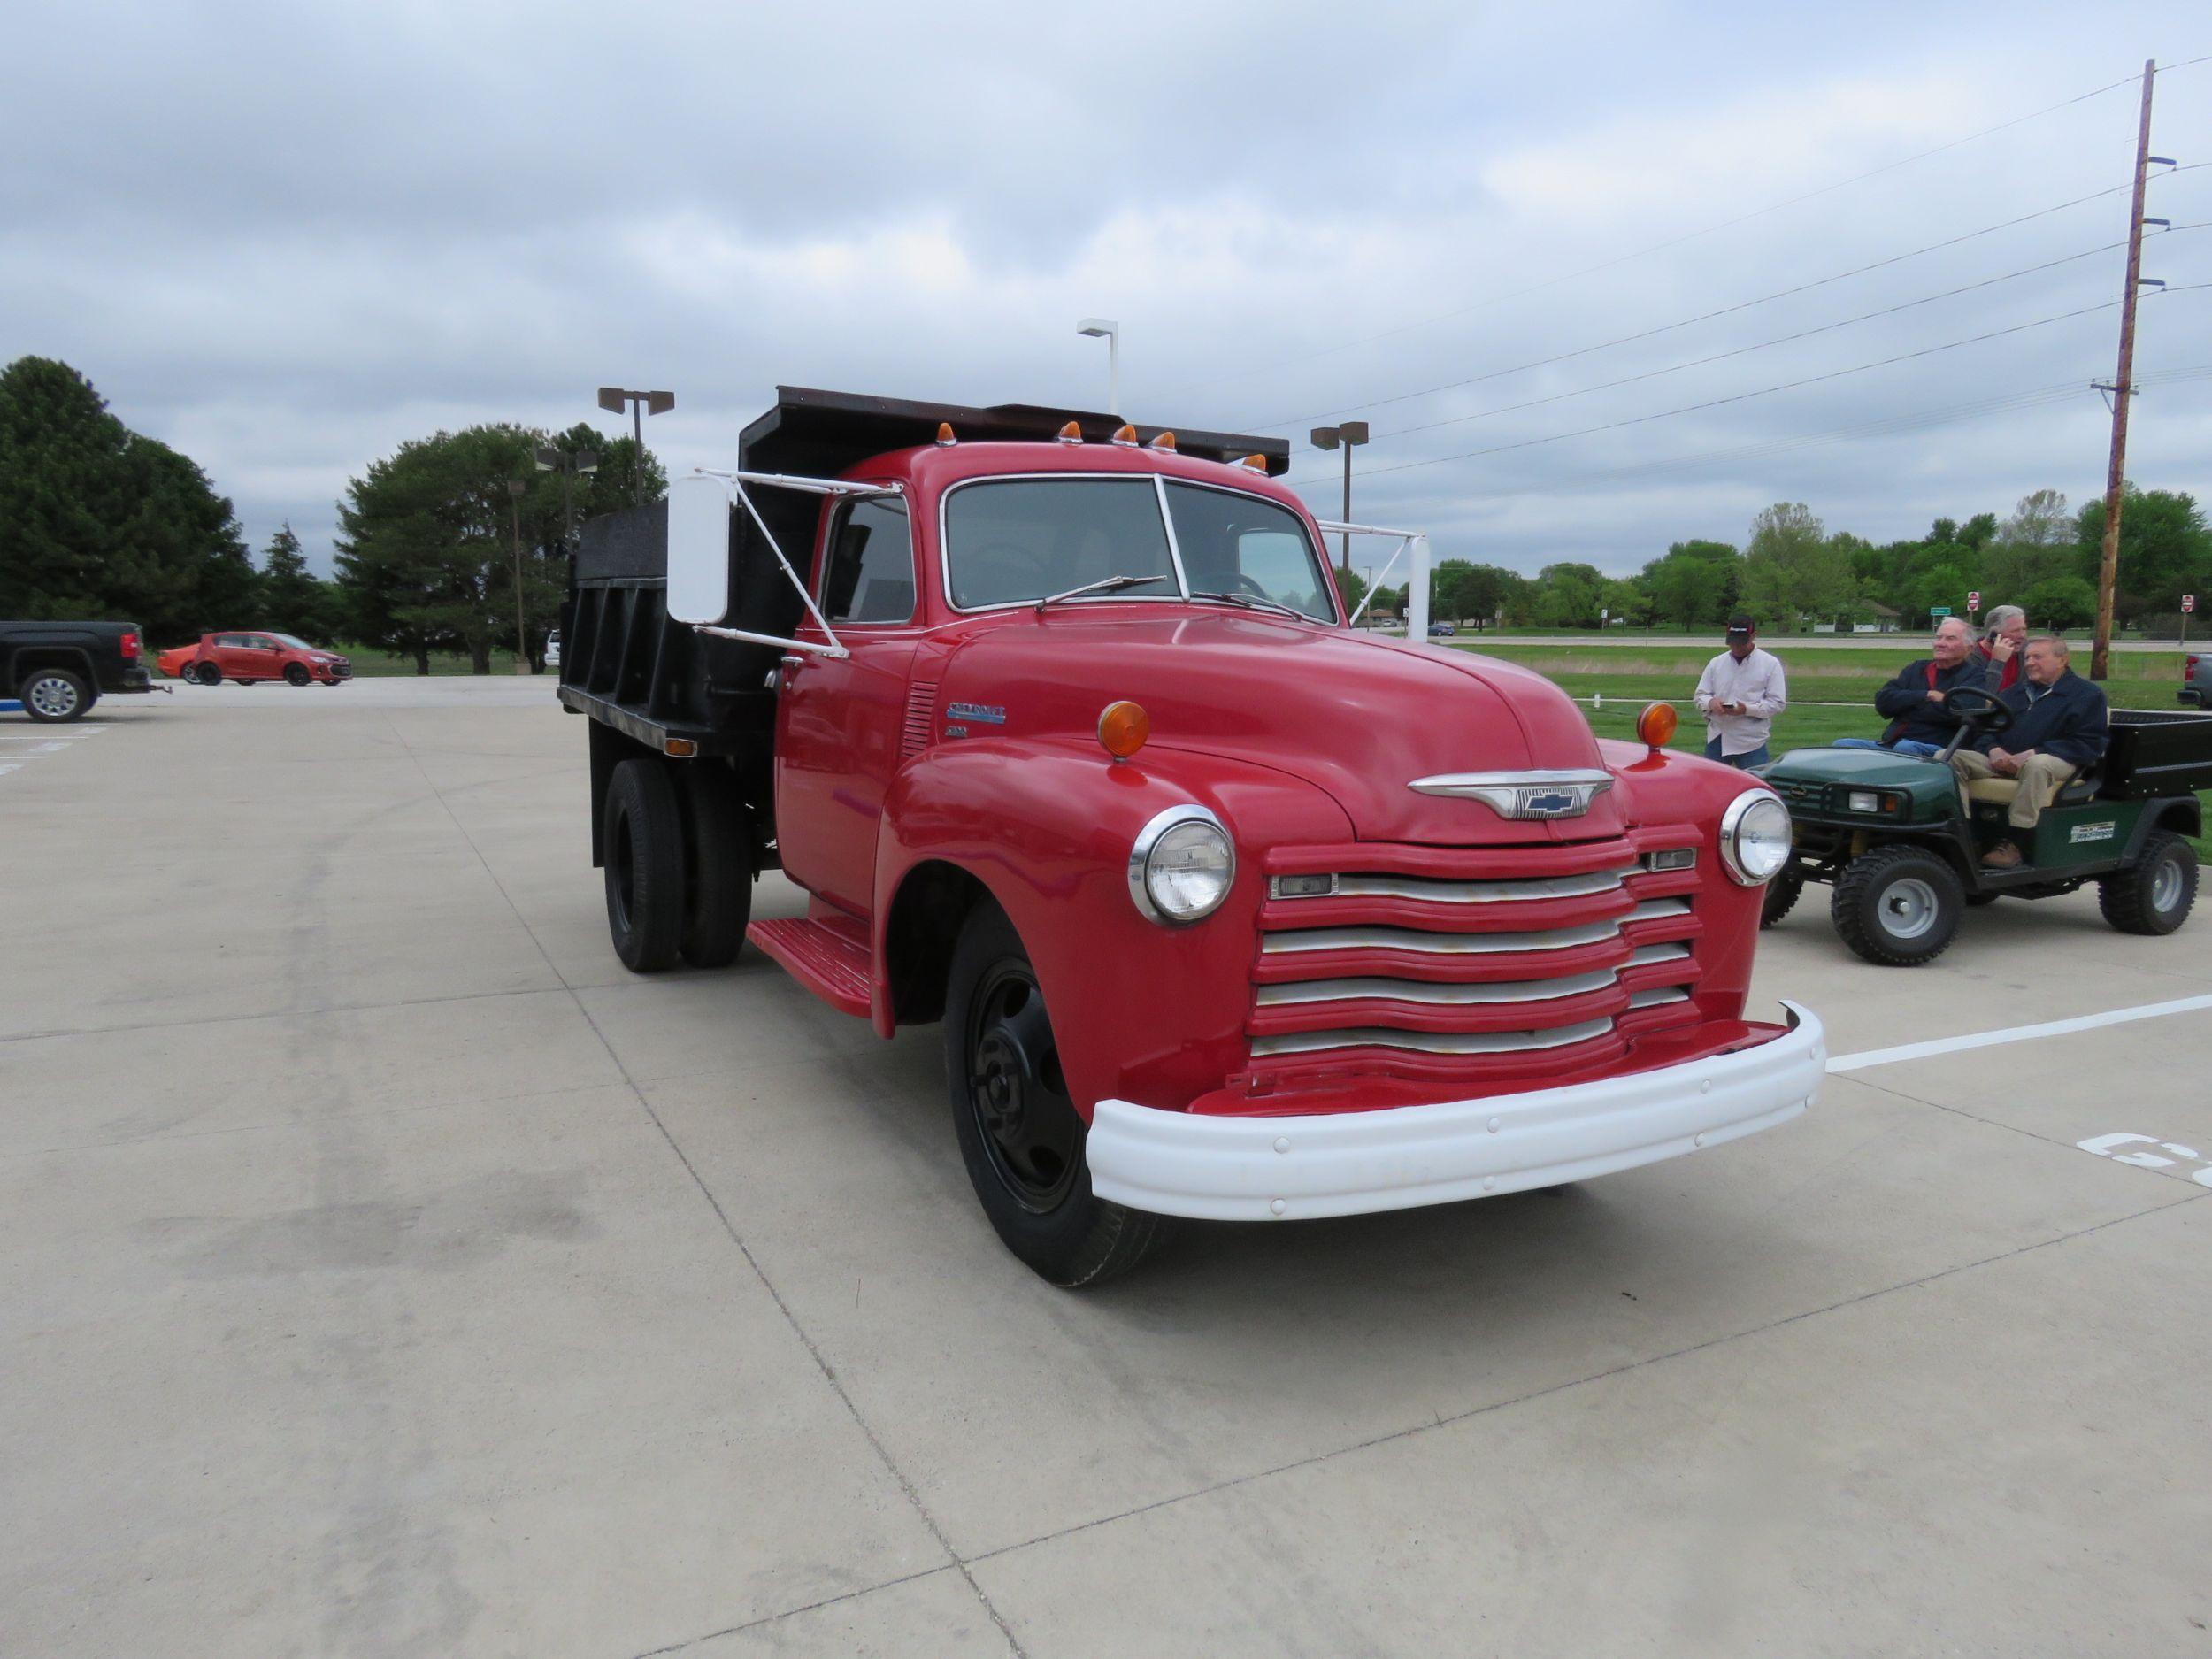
1360,718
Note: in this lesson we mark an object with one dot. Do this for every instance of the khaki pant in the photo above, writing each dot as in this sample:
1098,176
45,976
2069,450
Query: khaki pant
2041,778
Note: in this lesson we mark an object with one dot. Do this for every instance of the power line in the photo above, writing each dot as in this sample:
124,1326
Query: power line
1764,391
1705,316
1781,340
1673,242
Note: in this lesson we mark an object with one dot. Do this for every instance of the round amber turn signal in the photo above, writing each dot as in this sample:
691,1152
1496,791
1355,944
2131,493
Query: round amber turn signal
1655,725
1123,728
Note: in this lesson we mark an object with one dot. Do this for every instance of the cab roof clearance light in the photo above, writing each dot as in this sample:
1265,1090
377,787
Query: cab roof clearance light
1125,436
1070,434
1165,441
944,434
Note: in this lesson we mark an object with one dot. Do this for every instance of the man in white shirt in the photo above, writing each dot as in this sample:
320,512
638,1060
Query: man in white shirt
1740,692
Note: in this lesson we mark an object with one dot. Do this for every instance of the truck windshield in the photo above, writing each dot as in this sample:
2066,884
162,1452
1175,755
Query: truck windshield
1017,541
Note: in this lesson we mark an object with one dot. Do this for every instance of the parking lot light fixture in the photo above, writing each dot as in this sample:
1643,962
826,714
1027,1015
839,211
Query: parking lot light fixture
1099,328
615,398
1348,437
570,465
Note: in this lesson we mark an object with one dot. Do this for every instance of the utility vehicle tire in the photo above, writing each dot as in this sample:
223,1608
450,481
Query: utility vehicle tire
718,864
1898,906
53,696
208,674
1781,897
294,674
644,850
1019,1134
2153,895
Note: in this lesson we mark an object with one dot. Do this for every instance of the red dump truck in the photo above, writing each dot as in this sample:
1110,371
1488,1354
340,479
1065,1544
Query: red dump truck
1225,909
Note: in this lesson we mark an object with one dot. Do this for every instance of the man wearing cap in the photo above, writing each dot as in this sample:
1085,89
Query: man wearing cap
1740,692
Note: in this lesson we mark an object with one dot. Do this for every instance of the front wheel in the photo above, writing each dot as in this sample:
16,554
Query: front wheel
294,674
1020,1135
1898,906
2154,893
1781,897
54,695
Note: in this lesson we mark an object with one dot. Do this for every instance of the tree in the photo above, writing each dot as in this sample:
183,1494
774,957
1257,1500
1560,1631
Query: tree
1352,588
2060,602
1977,532
2165,551
292,597
1793,569
97,520
1443,587
1624,602
1569,595
1694,584
1479,591
2035,543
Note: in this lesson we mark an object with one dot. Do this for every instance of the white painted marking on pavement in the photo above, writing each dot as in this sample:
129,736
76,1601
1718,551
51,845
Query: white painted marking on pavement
2014,1034
40,735
2107,1147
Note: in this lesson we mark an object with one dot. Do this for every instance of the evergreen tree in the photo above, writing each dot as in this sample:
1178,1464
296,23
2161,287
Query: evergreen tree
293,598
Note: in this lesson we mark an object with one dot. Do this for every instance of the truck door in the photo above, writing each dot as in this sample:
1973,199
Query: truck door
840,721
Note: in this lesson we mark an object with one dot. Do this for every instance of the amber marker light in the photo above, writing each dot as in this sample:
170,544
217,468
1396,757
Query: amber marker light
1165,441
944,434
1123,728
1125,435
1257,462
1070,434
1655,725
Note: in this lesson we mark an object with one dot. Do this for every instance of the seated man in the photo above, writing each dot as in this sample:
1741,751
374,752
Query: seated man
1920,720
2058,732
1998,653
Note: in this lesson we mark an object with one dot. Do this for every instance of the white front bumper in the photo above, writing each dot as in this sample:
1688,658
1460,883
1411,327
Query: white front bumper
1345,1164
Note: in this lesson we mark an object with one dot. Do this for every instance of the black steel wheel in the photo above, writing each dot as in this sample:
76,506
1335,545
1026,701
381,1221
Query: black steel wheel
1019,1132
1898,906
1782,895
2154,893
53,696
644,853
295,673
718,864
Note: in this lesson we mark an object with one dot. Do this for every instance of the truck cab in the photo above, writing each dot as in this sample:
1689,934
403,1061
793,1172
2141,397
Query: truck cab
1226,908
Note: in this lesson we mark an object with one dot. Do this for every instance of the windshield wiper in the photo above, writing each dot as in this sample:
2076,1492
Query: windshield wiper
1250,602
1104,585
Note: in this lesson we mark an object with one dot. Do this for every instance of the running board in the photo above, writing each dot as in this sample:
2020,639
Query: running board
827,962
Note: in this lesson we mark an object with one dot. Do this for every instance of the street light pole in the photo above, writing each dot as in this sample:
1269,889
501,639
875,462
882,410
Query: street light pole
1348,437
569,463
515,486
1099,328
613,398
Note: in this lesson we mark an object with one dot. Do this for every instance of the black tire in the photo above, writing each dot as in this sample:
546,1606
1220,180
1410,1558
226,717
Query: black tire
2153,895
644,852
294,674
1019,1134
1781,898
718,864
54,696
208,674
1898,906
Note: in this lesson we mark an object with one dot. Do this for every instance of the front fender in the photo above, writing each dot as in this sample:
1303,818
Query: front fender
1141,1012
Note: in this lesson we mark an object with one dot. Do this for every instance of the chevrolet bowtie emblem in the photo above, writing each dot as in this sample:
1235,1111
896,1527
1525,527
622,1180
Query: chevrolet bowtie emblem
1522,794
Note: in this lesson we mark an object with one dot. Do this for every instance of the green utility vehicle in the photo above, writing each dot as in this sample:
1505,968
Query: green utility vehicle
1901,838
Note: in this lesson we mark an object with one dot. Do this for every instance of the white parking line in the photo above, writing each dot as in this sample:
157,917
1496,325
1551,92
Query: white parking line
2014,1034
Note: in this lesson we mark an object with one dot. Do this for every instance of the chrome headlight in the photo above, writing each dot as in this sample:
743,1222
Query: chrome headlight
1182,863
1755,836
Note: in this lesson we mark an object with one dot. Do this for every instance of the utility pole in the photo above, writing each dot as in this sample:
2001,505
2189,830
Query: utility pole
515,487
2122,388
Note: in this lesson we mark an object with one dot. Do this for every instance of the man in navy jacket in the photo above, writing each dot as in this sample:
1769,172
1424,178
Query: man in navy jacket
1920,720
2059,730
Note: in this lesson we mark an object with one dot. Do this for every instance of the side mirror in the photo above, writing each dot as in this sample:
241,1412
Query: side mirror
698,549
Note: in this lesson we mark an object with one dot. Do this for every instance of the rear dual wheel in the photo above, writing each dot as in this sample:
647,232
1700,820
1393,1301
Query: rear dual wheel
677,865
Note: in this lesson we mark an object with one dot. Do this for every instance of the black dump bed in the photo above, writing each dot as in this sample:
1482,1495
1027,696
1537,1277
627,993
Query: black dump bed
623,663
2157,752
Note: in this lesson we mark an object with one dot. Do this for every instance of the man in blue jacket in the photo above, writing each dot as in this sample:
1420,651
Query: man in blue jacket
2058,732
1920,720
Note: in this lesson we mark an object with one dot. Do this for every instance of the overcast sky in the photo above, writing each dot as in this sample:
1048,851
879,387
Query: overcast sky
287,238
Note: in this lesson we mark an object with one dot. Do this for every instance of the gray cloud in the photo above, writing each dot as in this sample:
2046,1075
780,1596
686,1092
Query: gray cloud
288,239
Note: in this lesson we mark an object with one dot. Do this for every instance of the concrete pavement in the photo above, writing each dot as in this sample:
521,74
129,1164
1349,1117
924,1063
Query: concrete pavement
385,1271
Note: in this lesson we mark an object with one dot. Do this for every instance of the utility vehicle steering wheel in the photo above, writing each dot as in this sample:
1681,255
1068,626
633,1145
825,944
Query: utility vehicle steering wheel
1985,713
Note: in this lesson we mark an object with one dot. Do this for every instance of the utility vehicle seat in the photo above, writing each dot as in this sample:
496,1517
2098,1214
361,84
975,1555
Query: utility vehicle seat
2001,790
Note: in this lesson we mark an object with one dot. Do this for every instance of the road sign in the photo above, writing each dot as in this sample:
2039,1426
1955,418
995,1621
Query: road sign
1974,600
1939,611
2188,603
